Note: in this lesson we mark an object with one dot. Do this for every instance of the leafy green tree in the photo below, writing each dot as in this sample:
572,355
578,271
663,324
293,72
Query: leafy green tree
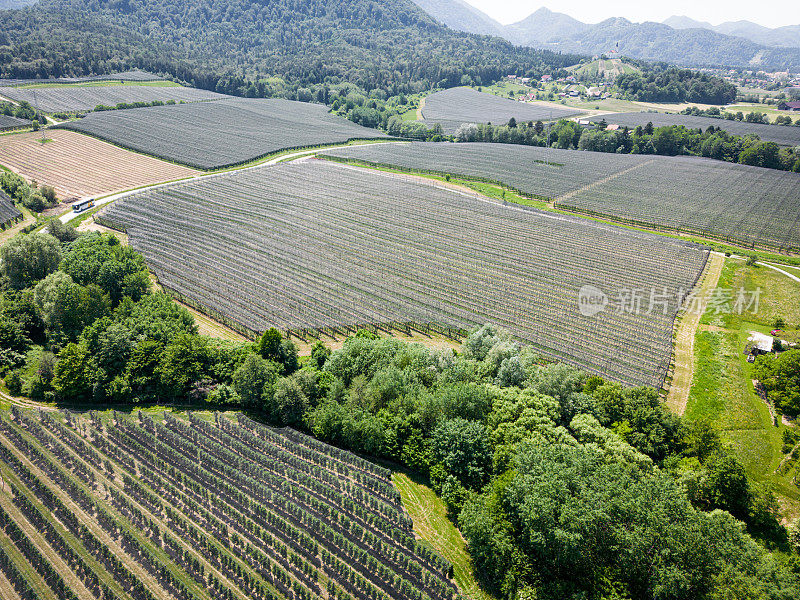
780,376
289,403
269,347
319,354
183,362
63,232
253,379
119,270
114,346
464,450
73,373
66,307
568,523
142,371
155,317
29,258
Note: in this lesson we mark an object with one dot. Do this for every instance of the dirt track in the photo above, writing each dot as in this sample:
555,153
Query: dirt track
678,394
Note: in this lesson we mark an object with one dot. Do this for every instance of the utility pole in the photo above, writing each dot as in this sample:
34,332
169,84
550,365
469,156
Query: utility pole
546,155
41,125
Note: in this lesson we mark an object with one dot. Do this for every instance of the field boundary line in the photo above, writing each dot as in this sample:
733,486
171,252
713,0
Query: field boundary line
589,186
683,373
557,215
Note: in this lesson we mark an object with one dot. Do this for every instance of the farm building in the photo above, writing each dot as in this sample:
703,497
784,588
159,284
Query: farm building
793,106
757,344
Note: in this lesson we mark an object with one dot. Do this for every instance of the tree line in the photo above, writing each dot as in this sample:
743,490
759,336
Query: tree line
669,140
675,85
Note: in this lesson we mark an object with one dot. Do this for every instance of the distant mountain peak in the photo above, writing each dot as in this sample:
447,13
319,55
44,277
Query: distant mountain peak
461,16
684,22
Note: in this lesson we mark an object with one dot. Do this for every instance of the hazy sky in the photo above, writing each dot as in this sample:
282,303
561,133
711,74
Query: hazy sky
771,14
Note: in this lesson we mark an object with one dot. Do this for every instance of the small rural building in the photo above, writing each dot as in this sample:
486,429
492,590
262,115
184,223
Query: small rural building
612,127
793,106
757,344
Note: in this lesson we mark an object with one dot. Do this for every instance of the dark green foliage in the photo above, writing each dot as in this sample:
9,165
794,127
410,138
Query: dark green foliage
27,259
464,449
118,270
648,425
269,346
28,194
780,376
320,354
253,379
21,110
289,402
390,45
566,523
676,85
63,232
74,372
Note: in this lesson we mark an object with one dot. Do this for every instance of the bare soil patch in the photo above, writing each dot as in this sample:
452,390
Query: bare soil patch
79,166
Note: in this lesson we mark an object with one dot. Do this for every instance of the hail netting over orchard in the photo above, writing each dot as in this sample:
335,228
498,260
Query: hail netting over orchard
7,122
65,98
8,211
128,76
199,510
737,203
316,244
455,106
209,135
540,172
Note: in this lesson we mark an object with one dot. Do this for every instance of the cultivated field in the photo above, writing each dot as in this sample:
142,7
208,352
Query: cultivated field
198,510
79,165
7,122
741,204
780,134
538,172
65,98
8,212
134,75
211,135
317,245
459,105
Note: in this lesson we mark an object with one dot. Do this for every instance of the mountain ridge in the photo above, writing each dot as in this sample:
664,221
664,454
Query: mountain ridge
690,43
787,36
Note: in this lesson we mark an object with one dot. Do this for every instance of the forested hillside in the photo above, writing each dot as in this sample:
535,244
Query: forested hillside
392,45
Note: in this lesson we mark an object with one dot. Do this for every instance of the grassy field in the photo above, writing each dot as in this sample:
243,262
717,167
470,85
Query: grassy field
432,525
771,110
722,389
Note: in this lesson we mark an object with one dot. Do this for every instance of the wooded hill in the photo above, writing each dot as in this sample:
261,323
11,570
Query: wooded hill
392,45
